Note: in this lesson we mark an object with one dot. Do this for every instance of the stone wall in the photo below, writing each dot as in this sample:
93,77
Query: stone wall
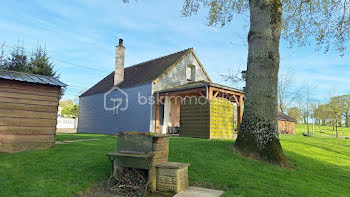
172,177
176,77
160,151
161,154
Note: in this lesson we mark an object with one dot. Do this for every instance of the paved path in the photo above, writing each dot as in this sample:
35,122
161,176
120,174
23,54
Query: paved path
66,131
200,192
100,194
72,141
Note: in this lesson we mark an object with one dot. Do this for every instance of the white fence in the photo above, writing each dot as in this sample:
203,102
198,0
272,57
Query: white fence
67,123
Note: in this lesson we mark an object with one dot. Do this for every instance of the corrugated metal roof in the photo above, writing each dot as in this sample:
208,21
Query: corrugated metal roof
31,78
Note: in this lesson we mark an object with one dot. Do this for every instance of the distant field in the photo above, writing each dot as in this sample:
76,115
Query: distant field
323,130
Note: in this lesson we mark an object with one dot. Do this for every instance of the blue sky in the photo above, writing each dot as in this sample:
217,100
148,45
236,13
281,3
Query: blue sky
85,33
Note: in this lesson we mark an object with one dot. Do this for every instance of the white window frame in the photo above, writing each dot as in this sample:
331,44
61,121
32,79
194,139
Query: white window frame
192,72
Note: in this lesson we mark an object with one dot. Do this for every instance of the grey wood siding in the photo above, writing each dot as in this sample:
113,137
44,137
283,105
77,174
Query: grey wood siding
93,118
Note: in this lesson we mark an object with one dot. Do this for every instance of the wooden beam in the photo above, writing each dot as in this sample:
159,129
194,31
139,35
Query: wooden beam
210,93
29,96
4,83
27,114
216,94
236,99
157,127
22,138
180,92
226,91
27,101
239,112
227,94
201,93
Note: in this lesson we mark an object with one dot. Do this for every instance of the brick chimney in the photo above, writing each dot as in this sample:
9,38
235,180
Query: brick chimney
119,63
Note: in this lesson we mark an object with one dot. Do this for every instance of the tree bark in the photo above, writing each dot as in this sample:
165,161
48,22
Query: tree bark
336,128
307,126
258,136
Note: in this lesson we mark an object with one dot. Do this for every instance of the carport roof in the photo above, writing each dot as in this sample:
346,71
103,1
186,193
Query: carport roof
199,84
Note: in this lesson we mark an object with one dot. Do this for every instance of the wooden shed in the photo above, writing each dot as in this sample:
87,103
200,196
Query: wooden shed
28,111
286,124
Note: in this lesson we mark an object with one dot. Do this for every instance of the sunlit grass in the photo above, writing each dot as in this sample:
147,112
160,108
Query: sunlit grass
323,130
322,167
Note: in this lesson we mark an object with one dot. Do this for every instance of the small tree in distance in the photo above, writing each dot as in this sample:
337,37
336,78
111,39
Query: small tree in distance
69,108
18,60
40,63
296,113
336,110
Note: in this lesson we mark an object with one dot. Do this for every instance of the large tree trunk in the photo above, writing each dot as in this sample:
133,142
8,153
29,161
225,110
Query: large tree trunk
258,136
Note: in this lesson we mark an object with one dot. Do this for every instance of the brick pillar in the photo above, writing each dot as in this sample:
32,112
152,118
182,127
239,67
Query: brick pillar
161,154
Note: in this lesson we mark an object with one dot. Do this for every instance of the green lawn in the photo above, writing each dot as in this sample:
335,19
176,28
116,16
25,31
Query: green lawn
323,130
322,167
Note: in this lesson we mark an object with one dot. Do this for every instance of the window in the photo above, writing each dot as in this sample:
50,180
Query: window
116,104
191,76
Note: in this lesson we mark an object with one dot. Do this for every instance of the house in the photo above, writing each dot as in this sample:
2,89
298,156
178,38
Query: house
155,96
28,111
286,124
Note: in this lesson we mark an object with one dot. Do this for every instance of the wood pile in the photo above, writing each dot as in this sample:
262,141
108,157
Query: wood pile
129,182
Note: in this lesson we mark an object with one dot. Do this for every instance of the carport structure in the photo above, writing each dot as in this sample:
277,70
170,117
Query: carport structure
199,109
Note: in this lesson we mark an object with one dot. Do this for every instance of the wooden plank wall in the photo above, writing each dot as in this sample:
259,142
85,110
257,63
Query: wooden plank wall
221,119
194,119
28,115
286,127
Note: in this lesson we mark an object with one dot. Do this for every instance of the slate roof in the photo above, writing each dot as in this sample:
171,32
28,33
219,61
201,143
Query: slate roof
138,74
30,78
285,117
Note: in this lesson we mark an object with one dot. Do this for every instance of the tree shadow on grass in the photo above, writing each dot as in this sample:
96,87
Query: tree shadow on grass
61,171
214,163
320,147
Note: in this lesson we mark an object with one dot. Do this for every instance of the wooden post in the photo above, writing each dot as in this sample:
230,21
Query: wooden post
157,114
216,94
210,93
239,112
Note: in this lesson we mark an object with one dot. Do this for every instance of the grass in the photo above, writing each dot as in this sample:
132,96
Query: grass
61,171
323,130
322,167
69,136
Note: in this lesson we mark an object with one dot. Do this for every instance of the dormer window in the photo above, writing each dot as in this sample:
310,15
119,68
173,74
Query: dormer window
191,76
